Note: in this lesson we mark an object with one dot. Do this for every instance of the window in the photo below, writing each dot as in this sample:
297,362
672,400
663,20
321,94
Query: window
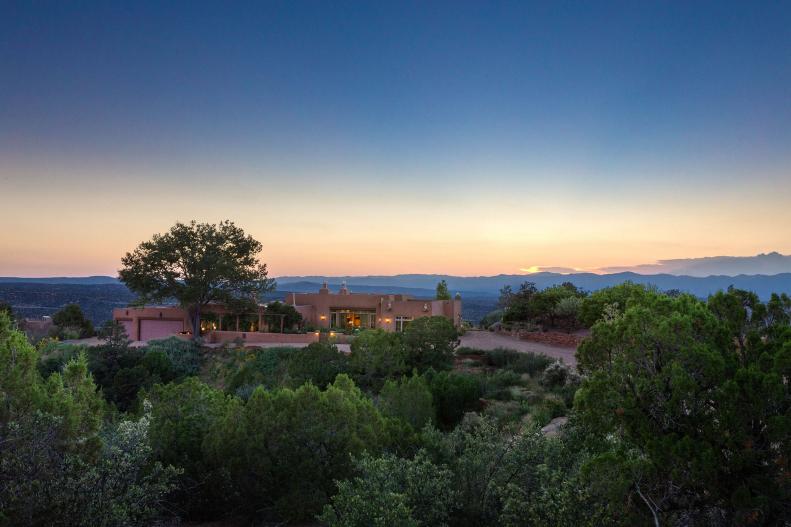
401,323
352,318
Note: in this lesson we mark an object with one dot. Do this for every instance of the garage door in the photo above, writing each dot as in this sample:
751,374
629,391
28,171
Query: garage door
159,329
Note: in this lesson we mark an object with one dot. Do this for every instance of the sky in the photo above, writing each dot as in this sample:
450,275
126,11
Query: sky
467,138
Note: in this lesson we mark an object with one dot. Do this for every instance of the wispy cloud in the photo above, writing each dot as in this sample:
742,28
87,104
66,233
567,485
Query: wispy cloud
767,264
550,269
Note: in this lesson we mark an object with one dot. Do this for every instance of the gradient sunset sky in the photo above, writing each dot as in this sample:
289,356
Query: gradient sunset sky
378,138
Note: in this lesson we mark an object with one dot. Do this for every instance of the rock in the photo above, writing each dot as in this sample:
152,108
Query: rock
554,426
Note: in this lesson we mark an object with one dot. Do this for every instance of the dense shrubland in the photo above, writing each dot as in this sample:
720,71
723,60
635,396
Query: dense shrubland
679,413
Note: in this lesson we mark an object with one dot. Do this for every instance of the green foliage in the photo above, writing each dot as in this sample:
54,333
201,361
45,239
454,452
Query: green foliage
42,485
55,466
197,264
119,373
277,310
430,342
184,356
284,448
6,308
122,371
555,306
377,355
619,297
700,392
409,400
181,417
453,394
513,477
260,367
113,333
54,355
442,290
158,367
69,396
71,322
518,361
558,374
492,317
318,363
124,487
567,311
391,491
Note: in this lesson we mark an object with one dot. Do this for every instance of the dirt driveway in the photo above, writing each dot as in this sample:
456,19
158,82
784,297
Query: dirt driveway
487,340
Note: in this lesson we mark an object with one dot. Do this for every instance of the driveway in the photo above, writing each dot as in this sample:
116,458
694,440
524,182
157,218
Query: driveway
488,340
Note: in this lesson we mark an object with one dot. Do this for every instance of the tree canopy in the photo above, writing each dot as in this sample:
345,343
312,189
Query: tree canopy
196,264
442,290
697,395
71,322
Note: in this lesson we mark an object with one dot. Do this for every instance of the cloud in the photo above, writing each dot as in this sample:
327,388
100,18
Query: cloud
543,269
766,264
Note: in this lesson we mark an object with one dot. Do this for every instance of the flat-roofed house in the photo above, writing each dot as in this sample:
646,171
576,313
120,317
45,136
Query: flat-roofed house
339,311
346,310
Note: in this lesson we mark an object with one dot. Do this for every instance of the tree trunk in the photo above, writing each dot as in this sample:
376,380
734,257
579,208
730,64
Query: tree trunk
196,322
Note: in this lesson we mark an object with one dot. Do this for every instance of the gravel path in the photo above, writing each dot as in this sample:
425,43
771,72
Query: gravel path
487,340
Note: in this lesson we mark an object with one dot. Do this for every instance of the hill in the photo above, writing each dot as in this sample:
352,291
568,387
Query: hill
763,285
98,295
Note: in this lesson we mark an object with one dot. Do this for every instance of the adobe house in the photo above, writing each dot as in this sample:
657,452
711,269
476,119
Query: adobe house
346,310
156,322
334,311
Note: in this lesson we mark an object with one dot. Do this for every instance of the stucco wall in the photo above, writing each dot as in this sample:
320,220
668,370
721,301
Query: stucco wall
315,307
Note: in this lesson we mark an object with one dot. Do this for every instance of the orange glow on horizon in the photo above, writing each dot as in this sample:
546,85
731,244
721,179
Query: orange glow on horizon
83,226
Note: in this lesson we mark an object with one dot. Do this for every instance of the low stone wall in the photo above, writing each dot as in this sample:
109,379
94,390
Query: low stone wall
252,337
553,338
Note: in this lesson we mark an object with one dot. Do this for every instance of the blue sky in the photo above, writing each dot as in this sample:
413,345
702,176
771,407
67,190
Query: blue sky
664,113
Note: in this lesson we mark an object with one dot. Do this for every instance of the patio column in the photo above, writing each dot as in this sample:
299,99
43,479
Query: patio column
237,322
260,320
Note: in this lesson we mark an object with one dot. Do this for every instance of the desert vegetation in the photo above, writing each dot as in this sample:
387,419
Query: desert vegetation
679,415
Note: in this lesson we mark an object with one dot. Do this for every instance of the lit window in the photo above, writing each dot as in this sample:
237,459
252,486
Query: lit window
401,323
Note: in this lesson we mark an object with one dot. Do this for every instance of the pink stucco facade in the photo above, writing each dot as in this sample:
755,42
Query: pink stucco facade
151,322
323,310
345,309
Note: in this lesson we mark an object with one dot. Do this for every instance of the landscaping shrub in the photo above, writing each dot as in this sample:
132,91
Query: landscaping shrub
318,362
453,394
181,416
520,362
70,323
261,366
284,449
392,491
556,374
408,399
430,343
184,355
377,355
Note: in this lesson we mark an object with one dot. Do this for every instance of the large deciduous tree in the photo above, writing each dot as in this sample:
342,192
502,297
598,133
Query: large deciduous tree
197,264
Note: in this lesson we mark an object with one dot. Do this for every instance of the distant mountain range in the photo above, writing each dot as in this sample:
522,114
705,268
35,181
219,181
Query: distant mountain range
74,280
476,286
424,284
